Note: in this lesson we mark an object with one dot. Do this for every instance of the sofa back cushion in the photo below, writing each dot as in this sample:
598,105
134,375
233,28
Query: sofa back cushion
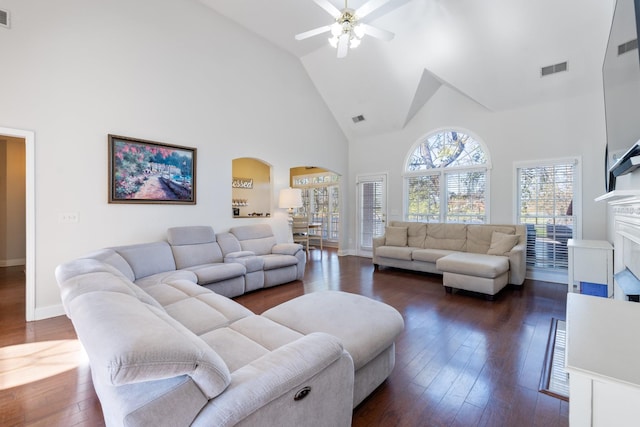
148,258
194,245
502,243
479,236
257,238
395,236
114,259
85,275
452,237
416,232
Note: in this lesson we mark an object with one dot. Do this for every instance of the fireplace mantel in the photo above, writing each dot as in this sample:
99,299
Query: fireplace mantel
624,232
620,196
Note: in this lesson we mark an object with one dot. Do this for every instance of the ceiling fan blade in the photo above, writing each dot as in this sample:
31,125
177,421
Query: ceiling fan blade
343,45
313,32
377,32
369,7
331,9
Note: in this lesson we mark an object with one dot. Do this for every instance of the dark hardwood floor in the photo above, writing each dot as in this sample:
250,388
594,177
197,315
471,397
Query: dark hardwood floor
461,360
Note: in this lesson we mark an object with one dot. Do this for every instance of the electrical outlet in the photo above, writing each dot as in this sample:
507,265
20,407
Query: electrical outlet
68,218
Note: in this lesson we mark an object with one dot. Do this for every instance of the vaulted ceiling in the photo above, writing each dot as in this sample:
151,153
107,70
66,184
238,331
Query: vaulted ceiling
490,51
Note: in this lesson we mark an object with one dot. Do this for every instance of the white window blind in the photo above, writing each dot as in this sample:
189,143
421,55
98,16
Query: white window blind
545,205
372,218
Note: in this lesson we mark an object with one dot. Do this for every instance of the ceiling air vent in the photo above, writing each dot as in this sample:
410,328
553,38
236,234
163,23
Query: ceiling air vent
551,69
628,46
358,119
4,18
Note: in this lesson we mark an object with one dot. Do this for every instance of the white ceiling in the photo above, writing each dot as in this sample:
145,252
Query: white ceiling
490,50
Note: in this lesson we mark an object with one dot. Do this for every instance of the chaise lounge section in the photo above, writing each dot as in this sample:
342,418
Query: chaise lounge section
481,258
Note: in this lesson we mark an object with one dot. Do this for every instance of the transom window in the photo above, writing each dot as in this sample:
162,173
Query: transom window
446,179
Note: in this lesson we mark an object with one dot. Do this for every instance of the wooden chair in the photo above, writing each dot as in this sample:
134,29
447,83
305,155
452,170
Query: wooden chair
300,228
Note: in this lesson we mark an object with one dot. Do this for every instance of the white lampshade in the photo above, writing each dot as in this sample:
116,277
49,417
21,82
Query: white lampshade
290,198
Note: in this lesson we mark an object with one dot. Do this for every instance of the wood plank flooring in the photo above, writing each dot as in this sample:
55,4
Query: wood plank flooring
461,360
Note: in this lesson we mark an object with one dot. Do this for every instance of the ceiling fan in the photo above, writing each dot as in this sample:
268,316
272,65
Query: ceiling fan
347,30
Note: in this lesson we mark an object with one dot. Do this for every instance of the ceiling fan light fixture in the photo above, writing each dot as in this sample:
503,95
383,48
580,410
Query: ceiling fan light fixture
358,31
346,31
336,29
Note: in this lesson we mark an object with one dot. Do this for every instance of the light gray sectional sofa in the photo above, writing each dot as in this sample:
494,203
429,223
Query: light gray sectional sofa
196,253
167,351
476,257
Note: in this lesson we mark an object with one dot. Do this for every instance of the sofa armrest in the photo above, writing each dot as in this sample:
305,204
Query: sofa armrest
317,360
286,248
378,241
517,264
230,257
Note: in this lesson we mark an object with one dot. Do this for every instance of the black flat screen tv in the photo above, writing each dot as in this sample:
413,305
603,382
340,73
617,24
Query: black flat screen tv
621,79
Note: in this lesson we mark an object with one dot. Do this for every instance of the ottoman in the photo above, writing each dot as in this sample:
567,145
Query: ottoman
486,274
366,328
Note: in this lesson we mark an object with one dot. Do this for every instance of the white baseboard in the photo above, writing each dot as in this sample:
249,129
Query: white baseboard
12,262
547,275
346,252
49,311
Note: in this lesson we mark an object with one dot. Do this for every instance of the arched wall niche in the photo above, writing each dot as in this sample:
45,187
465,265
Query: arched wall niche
251,190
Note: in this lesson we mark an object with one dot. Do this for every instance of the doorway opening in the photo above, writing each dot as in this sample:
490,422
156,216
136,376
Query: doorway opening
320,201
28,139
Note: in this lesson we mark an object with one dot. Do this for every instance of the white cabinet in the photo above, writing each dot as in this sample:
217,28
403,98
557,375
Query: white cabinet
590,261
602,358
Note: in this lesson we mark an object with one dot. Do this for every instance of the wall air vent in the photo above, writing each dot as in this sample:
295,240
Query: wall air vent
552,69
628,46
358,119
4,18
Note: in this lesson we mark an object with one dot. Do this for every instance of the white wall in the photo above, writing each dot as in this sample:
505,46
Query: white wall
565,128
166,70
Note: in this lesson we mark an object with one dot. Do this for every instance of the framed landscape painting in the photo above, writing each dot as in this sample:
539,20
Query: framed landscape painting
150,172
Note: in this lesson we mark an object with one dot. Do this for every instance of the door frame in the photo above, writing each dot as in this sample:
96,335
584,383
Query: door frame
368,178
30,268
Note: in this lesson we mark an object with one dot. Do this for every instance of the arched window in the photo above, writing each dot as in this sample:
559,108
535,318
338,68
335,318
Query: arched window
446,179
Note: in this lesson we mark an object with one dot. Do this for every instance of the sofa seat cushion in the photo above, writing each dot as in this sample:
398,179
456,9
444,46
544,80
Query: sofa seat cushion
211,273
273,261
479,265
171,294
397,252
430,255
251,262
233,347
365,327
265,332
167,276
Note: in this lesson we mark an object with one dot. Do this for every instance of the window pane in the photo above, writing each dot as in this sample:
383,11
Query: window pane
445,149
466,197
424,198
